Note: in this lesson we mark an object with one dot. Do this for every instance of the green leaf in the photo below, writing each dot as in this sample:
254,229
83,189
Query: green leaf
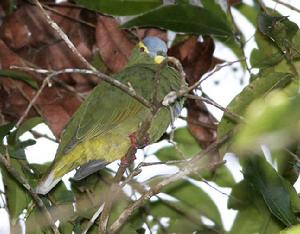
16,195
214,6
95,185
17,150
36,223
267,54
182,226
186,144
66,227
183,18
295,199
195,198
259,87
270,185
60,194
5,130
253,220
179,221
271,121
292,230
161,209
221,176
135,221
250,12
283,32
241,196
168,154
120,7
39,169
28,125
253,215
17,75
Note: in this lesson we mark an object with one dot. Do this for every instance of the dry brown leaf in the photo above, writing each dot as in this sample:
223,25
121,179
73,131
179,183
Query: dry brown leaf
41,47
113,43
196,58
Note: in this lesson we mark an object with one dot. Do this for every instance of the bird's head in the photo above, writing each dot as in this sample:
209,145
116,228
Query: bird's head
154,47
149,50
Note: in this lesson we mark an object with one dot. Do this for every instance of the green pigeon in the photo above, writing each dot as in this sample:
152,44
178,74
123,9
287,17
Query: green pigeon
101,130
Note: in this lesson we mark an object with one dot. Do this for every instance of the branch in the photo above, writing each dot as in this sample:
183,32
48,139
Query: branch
69,17
126,88
63,36
140,135
37,135
172,96
192,166
233,115
21,180
33,100
130,156
239,38
287,5
93,219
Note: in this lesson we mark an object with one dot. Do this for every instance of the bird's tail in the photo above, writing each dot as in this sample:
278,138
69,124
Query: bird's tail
47,183
55,173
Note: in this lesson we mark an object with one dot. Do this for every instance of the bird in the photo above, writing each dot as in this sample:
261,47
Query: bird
103,128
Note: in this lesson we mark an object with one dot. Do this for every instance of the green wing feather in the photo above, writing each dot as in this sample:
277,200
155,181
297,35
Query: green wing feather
100,128
107,106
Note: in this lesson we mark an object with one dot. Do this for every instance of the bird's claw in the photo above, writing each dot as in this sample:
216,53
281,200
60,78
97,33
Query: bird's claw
125,161
136,143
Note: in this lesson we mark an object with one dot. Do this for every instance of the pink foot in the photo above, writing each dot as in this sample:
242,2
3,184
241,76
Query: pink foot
136,143
125,161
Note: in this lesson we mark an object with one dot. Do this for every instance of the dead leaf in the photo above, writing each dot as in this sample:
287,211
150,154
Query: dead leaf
195,56
113,43
197,59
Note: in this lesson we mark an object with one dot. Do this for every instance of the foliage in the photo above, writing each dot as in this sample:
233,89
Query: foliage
268,111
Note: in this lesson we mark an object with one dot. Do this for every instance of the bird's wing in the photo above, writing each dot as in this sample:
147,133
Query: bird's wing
89,168
107,107
104,109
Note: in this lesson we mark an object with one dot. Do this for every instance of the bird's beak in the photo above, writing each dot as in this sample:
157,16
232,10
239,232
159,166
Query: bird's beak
158,59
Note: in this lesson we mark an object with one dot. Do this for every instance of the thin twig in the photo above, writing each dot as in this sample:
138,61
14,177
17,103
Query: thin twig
37,134
233,115
287,5
93,219
70,88
69,17
262,5
63,36
192,166
140,134
240,38
200,123
172,96
68,5
138,169
127,89
21,180
32,102
148,212
47,6
153,191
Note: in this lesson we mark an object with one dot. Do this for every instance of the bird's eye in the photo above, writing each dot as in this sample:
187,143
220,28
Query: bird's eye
142,49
